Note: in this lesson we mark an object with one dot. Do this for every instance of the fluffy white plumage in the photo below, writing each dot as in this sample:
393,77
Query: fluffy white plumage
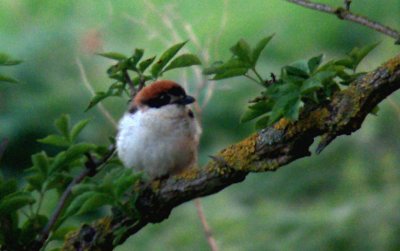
159,141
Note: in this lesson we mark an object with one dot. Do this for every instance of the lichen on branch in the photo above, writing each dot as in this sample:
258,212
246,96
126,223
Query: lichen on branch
266,150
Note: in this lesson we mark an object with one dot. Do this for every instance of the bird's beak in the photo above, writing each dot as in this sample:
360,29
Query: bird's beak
185,100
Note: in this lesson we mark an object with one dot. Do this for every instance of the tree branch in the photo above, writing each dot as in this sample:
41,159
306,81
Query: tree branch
92,166
266,150
346,14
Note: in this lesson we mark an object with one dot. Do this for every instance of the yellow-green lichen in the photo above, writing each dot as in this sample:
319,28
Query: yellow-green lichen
281,124
266,165
393,64
188,174
238,156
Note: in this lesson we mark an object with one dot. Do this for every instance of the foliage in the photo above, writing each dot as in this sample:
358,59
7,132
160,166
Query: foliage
111,185
300,85
143,69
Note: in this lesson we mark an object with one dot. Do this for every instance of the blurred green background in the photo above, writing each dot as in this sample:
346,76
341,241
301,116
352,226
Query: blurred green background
347,198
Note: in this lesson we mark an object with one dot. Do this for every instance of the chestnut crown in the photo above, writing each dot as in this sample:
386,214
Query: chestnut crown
161,93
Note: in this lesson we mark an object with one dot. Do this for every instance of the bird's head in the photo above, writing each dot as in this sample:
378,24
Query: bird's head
161,93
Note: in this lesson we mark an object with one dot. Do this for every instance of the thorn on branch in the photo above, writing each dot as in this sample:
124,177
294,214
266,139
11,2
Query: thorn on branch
273,79
220,161
347,4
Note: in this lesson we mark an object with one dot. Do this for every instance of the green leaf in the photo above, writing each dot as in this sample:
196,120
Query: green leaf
358,54
137,55
297,72
230,73
215,68
146,63
259,48
77,203
293,109
15,201
86,202
41,161
113,55
95,201
55,140
314,62
183,60
288,93
263,122
99,96
346,62
242,50
116,89
256,110
125,181
83,188
311,85
58,162
58,181
7,79
157,68
250,114
77,128
7,187
62,124
35,181
78,150
219,68
315,82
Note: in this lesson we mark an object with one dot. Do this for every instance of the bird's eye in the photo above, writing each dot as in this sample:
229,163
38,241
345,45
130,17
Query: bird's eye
163,96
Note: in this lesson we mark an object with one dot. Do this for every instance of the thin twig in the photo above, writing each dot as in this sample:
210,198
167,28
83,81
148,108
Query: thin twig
64,197
251,78
60,206
151,31
142,83
207,230
130,83
89,87
201,82
347,15
3,146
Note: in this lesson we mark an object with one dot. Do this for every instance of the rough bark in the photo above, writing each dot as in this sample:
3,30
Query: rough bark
266,150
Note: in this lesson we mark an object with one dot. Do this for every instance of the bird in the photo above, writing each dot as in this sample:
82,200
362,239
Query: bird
159,133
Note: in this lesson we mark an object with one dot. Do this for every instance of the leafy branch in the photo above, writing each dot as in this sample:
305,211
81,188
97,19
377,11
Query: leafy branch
132,73
301,85
266,150
103,180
